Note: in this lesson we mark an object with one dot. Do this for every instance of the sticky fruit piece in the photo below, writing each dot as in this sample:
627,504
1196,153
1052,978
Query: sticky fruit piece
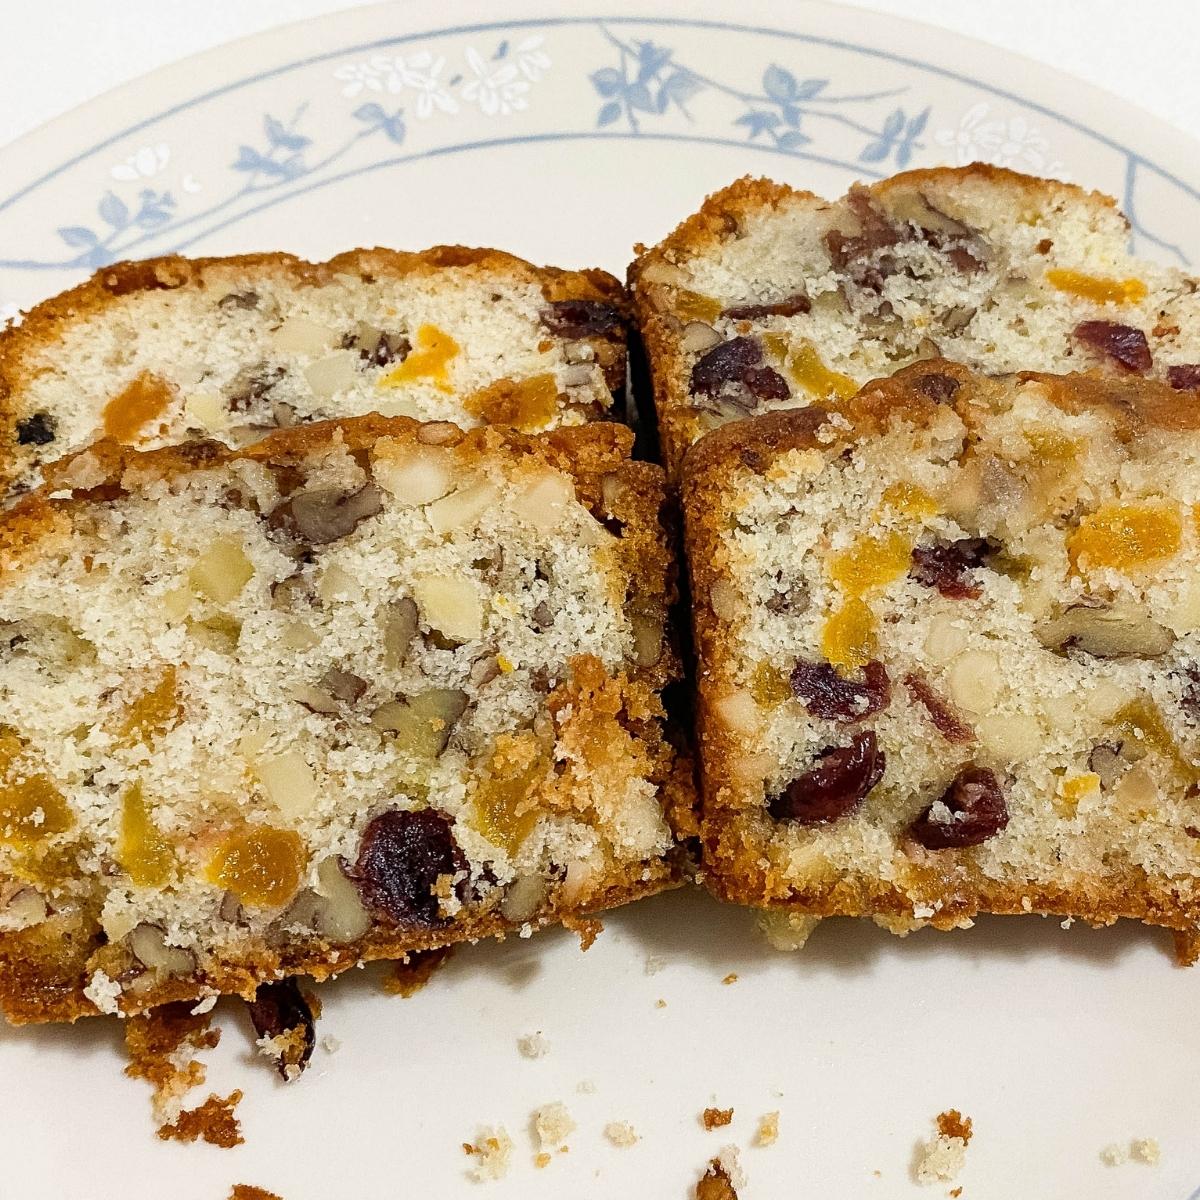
144,400
909,499
261,865
835,786
1126,536
280,1012
870,562
848,637
806,370
1126,346
525,404
945,566
153,713
970,811
505,812
828,694
143,853
428,361
32,809
1096,288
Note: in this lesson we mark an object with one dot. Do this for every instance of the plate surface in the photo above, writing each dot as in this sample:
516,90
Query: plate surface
566,137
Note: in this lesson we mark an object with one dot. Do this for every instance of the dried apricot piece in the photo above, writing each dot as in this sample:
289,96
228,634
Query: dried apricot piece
145,399
909,499
32,809
505,812
429,361
142,851
1126,536
525,404
1097,288
153,713
848,638
872,561
261,865
807,370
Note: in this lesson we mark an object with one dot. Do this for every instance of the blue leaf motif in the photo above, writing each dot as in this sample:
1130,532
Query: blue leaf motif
651,59
791,114
903,154
875,152
608,81
681,85
638,96
372,113
758,121
917,125
113,210
501,50
249,159
779,83
77,235
810,88
279,135
609,113
893,125
793,140
393,126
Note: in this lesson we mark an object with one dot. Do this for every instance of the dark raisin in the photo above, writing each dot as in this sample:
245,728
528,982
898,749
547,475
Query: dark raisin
875,233
236,300
1122,343
941,389
944,566
830,696
581,318
792,306
766,383
37,430
737,364
947,722
251,384
280,1010
969,811
837,784
321,515
400,860
1184,376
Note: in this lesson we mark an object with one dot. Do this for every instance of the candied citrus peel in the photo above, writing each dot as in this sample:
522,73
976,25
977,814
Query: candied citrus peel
145,399
910,500
32,809
872,561
142,851
1126,536
506,808
525,404
691,306
848,639
429,360
769,686
1050,446
262,866
1097,288
153,713
806,369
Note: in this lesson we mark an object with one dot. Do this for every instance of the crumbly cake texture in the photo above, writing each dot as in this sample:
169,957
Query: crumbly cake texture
365,688
772,298
152,353
948,638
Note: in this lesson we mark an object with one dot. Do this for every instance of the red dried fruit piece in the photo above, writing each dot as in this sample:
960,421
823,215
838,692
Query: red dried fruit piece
581,318
834,787
738,362
1184,376
947,722
969,811
941,389
1122,343
791,306
832,697
876,232
400,860
279,1010
944,566
766,383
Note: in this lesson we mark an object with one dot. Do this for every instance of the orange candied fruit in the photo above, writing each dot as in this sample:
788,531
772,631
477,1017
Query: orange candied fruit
807,370
1050,446
142,851
31,807
144,400
848,639
770,686
261,865
1126,536
1096,287
525,404
909,499
871,562
428,361
505,808
153,713
691,306
1141,721
1074,788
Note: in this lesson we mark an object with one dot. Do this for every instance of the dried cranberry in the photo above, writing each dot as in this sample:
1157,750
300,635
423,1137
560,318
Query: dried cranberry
832,697
37,430
766,383
835,786
1184,377
581,318
941,389
792,306
738,363
947,722
1122,343
944,566
974,810
280,1009
400,860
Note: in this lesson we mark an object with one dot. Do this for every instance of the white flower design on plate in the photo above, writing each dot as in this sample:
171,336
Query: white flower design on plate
1003,142
422,73
498,89
144,164
357,77
532,61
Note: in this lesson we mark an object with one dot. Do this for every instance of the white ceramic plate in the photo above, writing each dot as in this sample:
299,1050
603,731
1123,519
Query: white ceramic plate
566,137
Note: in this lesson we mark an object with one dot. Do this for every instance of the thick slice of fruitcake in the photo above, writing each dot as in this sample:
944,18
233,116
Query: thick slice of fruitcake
949,651
772,298
363,688
152,353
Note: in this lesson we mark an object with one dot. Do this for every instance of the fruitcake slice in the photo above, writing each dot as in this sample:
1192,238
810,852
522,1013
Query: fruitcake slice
949,651
360,689
772,298
153,353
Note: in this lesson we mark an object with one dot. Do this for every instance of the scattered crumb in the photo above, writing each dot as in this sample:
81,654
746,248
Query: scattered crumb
954,1193
730,978
542,1160
786,931
655,963
941,1158
214,1121
552,1124
1145,1150
407,978
246,1191
586,1086
104,992
492,1150
715,1118
621,1133
1067,923
286,1051
588,929
206,1006
161,1045
330,1044
768,1129
660,1003
533,1045
1114,1155
723,1177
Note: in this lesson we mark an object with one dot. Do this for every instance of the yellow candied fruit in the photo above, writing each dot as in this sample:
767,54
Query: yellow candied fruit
261,865
807,370
505,664
506,808
871,562
428,361
525,404
1141,722
1096,287
1074,788
910,499
142,851
32,809
848,639
1126,536
153,713
770,686
691,306
1050,446
127,414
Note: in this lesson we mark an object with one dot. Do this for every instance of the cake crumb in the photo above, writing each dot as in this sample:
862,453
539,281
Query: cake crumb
533,1045
586,1086
621,1133
785,931
715,1118
715,1184
552,1124
247,1191
941,1158
730,978
660,1003
161,1045
587,929
1146,1150
492,1150
330,1044
214,1121
1113,1155
768,1129
654,964
206,1006
954,1193
104,993
406,978
542,1160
